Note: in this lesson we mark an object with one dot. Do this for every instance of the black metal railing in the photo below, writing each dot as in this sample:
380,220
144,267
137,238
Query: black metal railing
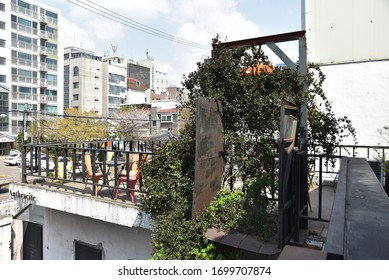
65,163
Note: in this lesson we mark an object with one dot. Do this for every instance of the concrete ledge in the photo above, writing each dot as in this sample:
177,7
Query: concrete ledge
334,245
301,253
359,223
84,205
243,241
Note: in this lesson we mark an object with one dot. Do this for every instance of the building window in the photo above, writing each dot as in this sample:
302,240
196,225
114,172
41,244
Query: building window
96,99
3,79
2,60
154,123
76,85
2,25
167,118
137,83
2,7
83,251
76,71
75,97
2,43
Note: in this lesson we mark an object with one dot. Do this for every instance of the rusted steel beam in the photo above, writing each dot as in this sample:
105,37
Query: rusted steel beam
278,38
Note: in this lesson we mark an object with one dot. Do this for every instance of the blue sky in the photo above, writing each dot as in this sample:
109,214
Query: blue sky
194,20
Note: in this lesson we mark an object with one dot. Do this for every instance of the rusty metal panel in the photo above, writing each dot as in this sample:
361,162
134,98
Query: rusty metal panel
288,137
209,153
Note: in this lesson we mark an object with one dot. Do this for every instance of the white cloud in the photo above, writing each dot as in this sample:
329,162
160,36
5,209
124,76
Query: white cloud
195,20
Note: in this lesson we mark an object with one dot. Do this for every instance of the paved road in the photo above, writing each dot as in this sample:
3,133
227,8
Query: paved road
7,170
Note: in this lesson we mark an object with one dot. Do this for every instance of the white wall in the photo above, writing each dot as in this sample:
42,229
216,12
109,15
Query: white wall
61,229
5,237
347,30
135,96
361,92
349,40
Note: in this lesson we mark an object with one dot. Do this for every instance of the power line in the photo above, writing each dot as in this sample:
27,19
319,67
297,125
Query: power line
109,14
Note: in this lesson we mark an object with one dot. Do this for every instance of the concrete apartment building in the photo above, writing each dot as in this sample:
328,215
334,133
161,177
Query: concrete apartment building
31,61
83,80
159,81
94,83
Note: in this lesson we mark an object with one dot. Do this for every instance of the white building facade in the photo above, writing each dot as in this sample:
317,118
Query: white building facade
114,84
62,225
349,41
31,59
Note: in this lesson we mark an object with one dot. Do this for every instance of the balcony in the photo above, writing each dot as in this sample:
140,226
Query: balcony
24,45
67,186
24,96
24,62
107,162
24,79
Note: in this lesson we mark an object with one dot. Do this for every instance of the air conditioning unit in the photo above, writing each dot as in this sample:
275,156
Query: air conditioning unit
43,35
43,98
43,18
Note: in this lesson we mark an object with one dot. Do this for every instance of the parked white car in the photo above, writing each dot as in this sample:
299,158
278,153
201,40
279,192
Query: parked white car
12,159
43,159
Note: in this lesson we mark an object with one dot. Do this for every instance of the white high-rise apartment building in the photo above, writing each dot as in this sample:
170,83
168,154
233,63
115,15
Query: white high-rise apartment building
31,61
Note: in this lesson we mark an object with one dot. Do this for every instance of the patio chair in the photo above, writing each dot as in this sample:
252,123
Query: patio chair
59,166
133,177
89,174
132,181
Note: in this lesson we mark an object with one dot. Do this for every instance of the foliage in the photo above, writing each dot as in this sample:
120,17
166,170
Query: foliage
126,123
382,157
177,236
75,126
261,213
19,144
225,210
169,177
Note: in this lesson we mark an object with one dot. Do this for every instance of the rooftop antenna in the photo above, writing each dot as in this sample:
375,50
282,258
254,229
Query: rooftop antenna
147,53
114,49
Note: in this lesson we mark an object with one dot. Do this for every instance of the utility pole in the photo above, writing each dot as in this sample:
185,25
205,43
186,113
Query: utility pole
24,140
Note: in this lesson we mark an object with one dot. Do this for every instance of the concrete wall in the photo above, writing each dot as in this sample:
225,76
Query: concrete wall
5,237
347,30
360,91
349,40
88,206
62,229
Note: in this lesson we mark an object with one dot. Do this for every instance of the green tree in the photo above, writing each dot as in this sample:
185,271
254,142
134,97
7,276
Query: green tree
251,113
381,156
75,126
